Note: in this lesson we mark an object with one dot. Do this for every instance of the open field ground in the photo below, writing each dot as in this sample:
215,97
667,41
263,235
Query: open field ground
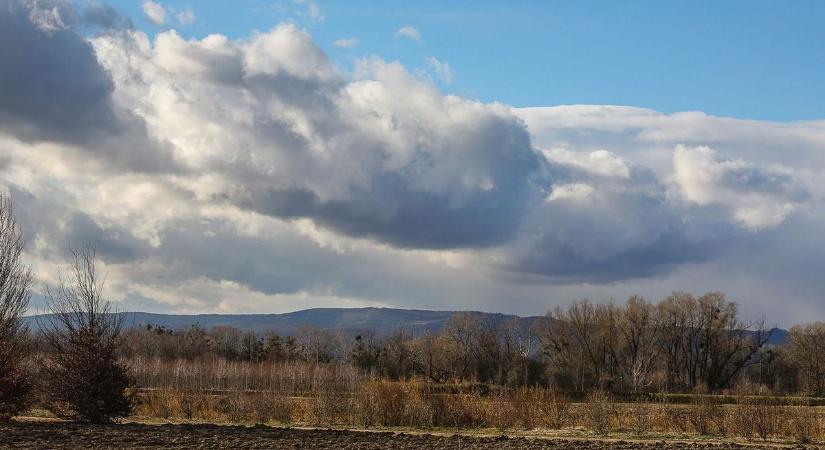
63,435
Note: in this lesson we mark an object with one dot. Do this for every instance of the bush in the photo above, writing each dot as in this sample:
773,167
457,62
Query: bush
599,411
539,407
235,407
501,411
767,419
641,414
803,424
269,406
15,390
741,421
706,413
85,381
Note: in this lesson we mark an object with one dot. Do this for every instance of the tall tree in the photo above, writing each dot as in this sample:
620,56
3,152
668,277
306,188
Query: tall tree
807,348
15,280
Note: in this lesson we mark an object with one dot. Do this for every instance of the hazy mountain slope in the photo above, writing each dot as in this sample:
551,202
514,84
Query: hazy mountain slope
381,320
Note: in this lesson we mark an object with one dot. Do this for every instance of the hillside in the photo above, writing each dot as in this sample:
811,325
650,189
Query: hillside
380,320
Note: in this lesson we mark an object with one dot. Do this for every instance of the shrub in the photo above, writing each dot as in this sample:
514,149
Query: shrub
741,421
501,412
269,406
15,390
677,417
599,411
235,407
706,413
641,414
767,419
85,381
803,424
539,407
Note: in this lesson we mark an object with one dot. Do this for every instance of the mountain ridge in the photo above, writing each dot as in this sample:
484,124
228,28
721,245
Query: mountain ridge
378,319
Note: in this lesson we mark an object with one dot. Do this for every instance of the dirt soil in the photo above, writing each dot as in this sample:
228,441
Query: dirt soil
62,435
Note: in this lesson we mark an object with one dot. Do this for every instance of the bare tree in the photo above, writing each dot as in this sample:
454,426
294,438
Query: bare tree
15,280
85,380
807,348
581,343
704,342
437,356
639,328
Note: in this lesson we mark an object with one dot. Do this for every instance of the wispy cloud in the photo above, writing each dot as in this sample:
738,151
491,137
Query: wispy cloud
186,17
155,12
346,42
312,10
441,69
408,32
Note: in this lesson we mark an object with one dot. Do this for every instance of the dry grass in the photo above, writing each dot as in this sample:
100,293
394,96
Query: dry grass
325,395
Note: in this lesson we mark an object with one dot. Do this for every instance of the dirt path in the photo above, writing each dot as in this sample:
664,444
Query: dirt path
57,435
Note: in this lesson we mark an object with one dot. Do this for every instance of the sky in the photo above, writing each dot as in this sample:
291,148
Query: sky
251,157
746,59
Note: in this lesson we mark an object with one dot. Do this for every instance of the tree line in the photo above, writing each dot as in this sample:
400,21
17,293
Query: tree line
682,343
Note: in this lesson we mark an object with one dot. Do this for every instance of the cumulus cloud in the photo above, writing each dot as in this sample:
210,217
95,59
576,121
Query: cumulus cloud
56,90
346,42
757,197
408,32
155,12
357,156
251,175
599,162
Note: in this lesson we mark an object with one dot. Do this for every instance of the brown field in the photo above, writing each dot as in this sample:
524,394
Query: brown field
67,435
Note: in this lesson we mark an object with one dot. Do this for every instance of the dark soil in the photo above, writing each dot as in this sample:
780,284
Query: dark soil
62,435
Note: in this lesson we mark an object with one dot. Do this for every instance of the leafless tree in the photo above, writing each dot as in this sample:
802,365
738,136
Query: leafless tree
704,341
436,357
85,379
15,280
581,343
807,349
638,325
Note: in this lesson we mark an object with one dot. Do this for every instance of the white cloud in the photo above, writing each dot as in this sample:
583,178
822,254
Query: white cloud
441,69
599,162
572,191
312,10
186,17
346,42
239,175
155,12
757,197
408,32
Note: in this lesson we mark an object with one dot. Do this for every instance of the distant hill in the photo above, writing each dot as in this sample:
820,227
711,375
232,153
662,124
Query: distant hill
380,320
778,336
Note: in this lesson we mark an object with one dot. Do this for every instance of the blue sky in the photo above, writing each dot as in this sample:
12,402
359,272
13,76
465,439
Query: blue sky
747,59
